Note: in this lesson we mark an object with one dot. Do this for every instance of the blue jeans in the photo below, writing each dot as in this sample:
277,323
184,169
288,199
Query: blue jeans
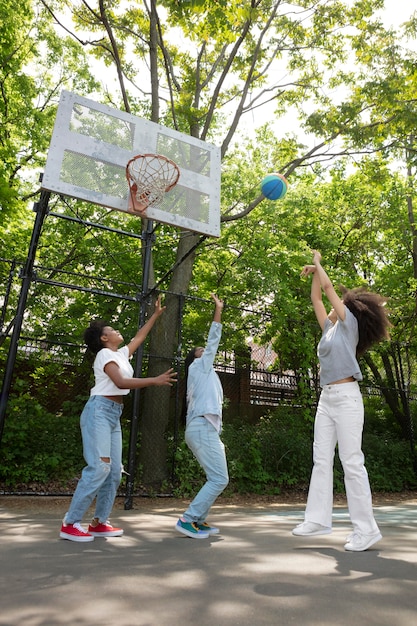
205,443
102,439
339,419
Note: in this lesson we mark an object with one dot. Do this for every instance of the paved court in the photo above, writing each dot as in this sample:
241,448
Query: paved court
254,573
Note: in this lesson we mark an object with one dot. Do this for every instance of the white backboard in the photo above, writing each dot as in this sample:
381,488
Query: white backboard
92,143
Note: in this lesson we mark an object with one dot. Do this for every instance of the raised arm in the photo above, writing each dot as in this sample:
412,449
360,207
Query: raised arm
321,282
316,297
206,360
143,332
327,286
218,308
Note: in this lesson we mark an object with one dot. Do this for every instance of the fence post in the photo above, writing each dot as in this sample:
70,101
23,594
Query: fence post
148,237
41,209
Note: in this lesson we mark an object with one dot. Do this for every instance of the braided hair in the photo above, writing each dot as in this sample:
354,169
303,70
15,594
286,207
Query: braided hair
188,360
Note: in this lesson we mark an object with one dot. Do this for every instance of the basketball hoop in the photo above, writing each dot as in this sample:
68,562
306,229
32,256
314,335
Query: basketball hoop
150,177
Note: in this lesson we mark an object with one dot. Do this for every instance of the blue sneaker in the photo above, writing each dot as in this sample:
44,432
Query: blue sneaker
211,530
191,530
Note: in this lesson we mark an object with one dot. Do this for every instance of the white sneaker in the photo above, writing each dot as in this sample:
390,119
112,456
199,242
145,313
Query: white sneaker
358,543
310,529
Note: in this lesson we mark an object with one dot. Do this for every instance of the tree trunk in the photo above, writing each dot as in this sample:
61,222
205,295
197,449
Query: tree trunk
164,344
392,391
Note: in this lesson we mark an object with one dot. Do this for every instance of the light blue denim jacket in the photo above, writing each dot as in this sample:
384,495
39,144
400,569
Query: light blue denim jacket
204,389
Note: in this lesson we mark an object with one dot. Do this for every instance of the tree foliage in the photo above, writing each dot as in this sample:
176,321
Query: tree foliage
213,70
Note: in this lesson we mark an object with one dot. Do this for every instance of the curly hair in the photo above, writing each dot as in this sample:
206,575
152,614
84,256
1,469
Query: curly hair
92,335
369,309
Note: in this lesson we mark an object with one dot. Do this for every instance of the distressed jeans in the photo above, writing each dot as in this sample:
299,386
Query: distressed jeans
205,443
102,438
339,419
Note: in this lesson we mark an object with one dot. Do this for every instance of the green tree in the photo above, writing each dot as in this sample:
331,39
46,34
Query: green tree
203,70
385,106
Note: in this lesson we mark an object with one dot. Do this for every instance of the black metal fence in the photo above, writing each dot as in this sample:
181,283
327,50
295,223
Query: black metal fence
252,385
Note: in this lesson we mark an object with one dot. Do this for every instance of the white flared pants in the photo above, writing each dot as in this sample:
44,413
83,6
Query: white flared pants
339,419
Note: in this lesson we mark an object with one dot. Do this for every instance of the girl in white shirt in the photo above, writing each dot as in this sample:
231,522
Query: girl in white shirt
100,427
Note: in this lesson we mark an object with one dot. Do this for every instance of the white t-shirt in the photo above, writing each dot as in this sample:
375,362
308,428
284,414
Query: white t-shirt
104,386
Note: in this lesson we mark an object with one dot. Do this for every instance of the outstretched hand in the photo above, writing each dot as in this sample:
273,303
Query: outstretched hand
316,256
219,303
307,270
310,269
167,378
159,309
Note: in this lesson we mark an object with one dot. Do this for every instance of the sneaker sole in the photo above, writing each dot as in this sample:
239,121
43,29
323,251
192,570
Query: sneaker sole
315,533
109,533
212,532
184,531
74,538
370,543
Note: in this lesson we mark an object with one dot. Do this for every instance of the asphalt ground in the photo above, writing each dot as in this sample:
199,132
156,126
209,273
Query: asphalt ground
255,572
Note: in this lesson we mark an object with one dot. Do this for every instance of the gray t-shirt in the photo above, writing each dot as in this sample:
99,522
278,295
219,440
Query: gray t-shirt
337,350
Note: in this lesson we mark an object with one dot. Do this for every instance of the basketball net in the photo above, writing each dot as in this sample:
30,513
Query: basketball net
150,177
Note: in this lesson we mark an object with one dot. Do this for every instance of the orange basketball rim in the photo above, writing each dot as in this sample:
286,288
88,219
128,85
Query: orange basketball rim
150,177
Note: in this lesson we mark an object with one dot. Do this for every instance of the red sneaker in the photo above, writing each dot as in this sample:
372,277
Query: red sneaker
105,530
75,532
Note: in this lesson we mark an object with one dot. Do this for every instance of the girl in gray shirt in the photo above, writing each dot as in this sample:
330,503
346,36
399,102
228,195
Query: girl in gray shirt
351,327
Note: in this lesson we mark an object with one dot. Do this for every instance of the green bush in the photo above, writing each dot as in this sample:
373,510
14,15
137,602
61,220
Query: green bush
276,454
37,446
43,447
271,455
188,475
263,458
389,463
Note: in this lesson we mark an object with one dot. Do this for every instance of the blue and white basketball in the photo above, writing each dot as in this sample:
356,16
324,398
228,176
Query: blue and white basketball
274,186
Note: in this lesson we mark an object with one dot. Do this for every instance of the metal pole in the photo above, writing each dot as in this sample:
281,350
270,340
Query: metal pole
134,426
178,407
41,209
6,298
